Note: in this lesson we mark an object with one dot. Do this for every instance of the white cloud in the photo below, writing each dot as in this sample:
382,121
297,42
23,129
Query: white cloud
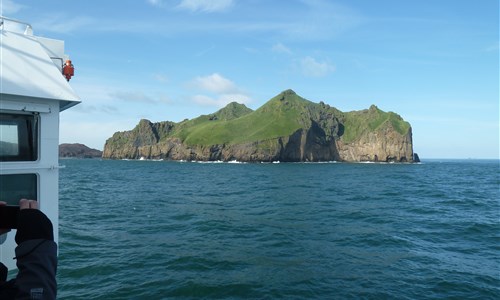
214,83
205,5
221,91
280,48
310,67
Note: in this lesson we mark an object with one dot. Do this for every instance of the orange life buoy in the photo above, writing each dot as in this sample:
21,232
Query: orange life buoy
68,70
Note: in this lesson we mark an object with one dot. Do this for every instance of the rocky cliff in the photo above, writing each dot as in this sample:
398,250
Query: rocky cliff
287,128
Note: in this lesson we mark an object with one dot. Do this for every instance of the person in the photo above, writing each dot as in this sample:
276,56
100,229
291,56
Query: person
36,255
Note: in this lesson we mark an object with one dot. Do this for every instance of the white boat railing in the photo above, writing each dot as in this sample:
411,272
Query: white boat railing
28,30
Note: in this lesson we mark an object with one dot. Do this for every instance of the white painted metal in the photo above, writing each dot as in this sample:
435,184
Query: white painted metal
28,70
31,82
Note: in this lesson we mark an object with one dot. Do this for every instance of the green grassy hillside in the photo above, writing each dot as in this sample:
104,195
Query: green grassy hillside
280,116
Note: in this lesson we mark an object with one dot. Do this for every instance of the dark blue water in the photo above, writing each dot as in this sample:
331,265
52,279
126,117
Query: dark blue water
159,230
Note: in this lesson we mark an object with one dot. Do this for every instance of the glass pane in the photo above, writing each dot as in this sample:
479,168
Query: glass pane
14,187
9,143
18,137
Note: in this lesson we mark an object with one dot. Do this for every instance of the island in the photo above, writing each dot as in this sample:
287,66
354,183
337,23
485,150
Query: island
78,151
287,128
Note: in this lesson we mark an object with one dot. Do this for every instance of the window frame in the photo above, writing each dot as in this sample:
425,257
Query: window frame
28,139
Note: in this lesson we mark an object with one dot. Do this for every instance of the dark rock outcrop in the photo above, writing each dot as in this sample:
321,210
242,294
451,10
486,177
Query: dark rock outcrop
78,151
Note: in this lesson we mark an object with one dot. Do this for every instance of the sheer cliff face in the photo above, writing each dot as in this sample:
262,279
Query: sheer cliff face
287,128
386,145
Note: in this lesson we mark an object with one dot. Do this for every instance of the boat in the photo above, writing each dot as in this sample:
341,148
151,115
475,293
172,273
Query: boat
34,90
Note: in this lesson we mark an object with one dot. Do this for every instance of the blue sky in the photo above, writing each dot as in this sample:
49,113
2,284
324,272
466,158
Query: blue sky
436,63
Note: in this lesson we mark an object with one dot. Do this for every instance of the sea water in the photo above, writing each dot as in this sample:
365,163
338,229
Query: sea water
163,230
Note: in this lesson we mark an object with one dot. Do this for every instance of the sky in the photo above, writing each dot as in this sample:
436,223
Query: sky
435,63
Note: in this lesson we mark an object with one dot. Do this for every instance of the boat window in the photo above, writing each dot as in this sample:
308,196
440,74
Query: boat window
14,187
18,137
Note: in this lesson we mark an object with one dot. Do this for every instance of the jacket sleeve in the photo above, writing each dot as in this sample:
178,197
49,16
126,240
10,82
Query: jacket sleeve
37,264
36,256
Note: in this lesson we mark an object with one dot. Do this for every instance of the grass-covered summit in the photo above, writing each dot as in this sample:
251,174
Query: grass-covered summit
287,128
280,116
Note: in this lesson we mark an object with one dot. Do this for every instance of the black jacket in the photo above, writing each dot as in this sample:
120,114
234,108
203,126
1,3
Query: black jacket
36,256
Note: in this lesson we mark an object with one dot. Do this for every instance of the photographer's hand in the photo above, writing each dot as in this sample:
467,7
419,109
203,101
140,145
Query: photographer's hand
28,204
32,223
3,230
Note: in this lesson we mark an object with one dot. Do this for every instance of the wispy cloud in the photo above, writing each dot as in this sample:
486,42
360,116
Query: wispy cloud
87,108
320,20
205,5
138,97
162,98
205,51
316,20
310,67
160,78
280,48
155,2
310,20
494,47
131,96
8,7
63,24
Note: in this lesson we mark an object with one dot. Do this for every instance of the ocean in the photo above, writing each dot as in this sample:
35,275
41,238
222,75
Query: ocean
186,230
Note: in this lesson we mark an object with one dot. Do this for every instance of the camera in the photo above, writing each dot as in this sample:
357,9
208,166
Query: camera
8,216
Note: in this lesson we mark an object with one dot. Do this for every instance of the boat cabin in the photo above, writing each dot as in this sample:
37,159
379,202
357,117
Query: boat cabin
33,91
